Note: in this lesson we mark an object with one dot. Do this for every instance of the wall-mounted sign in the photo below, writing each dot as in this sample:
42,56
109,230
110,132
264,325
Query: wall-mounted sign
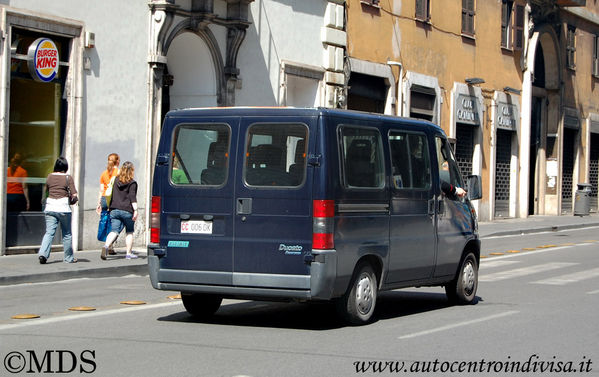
43,60
467,110
507,117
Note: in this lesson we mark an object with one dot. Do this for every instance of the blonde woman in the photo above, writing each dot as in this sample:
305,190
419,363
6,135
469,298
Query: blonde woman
123,209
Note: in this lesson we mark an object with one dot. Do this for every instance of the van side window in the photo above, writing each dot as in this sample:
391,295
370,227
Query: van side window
410,160
200,154
361,155
276,155
448,169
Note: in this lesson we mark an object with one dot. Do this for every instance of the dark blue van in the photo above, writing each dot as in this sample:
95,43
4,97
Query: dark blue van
308,204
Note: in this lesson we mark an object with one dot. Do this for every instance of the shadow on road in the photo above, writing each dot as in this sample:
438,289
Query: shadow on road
314,316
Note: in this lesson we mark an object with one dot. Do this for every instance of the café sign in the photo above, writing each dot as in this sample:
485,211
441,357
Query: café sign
43,60
467,110
507,117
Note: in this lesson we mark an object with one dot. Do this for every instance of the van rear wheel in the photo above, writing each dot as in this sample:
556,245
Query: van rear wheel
462,289
200,305
358,303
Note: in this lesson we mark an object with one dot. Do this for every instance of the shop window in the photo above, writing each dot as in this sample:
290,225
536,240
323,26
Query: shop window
373,3
37,121
512,25
302,85
468,14
422,103
571,47
423,10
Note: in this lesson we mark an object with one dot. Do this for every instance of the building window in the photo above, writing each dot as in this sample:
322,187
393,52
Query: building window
596,56
468,17
571,47
423,10
512,25
374,3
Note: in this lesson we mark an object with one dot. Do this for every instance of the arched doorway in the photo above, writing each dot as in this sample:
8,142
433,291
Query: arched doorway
543,175
192,73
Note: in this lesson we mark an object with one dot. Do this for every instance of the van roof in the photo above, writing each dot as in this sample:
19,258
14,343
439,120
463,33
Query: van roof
289,111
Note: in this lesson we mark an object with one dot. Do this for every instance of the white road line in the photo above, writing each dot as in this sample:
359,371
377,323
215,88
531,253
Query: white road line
459,324
537,233
486,263
532,252
593,292
524,271
86,315
570,278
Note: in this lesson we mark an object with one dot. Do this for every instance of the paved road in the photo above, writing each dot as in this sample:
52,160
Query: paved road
535,306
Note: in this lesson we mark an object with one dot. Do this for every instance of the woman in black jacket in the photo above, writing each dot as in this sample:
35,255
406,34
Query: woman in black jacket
123,209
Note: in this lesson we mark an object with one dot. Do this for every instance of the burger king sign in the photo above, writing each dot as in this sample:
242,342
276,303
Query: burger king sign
43,60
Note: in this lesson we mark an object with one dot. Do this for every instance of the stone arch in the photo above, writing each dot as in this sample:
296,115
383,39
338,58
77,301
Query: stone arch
205,50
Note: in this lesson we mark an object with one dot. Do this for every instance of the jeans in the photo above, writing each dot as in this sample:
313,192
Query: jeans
120,219
52,220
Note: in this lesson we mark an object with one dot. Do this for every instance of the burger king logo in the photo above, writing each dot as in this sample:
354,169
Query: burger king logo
43,60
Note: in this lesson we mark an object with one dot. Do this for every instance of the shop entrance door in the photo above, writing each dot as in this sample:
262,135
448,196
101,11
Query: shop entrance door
568,169
594,170
502,173
464,148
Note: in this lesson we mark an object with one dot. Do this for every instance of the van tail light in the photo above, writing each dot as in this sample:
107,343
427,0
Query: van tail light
323,224
155,220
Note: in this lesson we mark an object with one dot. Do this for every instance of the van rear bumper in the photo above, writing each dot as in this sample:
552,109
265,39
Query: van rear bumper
318,285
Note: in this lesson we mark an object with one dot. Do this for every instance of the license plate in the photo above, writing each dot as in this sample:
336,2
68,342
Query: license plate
196,227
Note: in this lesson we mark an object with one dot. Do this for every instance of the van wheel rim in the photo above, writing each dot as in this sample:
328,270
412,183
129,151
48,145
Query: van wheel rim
468,278
364,295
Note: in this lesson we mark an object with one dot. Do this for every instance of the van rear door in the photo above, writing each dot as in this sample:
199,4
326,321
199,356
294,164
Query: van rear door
273,202
197,199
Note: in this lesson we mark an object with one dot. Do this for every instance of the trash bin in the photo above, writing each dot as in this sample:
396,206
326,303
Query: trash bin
582,202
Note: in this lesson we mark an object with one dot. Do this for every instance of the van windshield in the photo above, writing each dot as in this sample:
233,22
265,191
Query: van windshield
200,154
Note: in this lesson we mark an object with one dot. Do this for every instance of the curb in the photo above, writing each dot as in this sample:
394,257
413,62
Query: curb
116,271
547,228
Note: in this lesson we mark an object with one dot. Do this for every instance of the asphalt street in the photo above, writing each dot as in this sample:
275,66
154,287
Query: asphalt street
537,303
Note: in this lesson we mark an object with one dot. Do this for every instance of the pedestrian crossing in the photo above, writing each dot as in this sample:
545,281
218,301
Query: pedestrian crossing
488,272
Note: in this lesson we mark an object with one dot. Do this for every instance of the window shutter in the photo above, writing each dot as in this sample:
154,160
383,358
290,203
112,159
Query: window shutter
420,11
519,28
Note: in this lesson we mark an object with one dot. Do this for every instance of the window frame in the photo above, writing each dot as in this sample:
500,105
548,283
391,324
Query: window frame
173,153
425,14
571,47
342,160
247,145
512,25
426,152
469,14
595,61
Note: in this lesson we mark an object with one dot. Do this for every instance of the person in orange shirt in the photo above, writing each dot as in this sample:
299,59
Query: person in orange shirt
17,194
112,170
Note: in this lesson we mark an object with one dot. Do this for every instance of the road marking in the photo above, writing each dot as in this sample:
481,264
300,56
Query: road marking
593,292
522,234
524,271
570,278
497,263
459,324
87,315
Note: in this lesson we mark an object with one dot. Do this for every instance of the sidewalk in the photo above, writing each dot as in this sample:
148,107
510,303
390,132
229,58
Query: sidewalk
25,268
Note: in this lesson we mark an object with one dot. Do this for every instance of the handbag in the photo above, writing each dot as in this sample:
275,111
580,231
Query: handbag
72,198
108,192
104,226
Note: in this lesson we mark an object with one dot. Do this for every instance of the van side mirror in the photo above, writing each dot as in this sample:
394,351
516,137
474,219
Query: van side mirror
475,187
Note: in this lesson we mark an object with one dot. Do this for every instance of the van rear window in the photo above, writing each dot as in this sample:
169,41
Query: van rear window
200,154
276,155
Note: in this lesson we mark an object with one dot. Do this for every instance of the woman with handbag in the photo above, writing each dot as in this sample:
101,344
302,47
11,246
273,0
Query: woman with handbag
123,209
61,195
106,184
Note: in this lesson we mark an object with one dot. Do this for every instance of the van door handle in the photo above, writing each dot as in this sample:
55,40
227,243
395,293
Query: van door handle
244,206
431,207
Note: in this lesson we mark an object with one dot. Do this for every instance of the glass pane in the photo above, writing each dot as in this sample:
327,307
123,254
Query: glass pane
201,155
276,155
362,158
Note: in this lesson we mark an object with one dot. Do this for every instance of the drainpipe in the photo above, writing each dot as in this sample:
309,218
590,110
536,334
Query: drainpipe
398,93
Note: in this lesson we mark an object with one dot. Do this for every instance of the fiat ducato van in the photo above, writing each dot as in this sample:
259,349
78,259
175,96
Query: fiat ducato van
308,205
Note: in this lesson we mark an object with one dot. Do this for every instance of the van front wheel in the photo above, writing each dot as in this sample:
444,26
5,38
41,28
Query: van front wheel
462,289
358,303
201,305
